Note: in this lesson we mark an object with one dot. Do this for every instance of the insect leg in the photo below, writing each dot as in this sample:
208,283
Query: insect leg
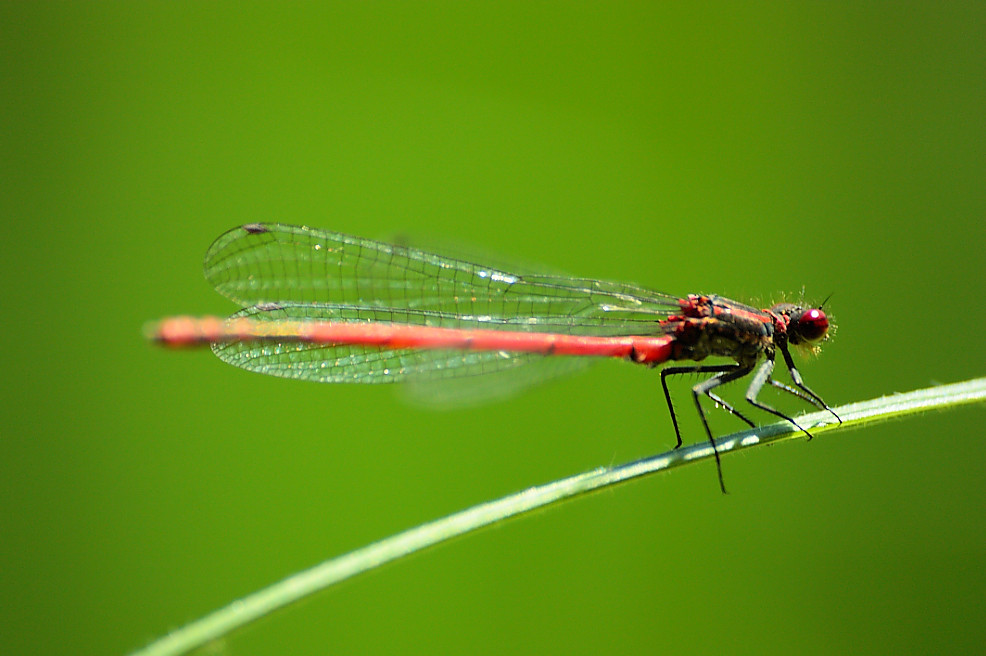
799,383
727,374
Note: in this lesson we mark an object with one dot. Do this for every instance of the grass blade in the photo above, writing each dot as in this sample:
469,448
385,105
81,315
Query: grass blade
238,614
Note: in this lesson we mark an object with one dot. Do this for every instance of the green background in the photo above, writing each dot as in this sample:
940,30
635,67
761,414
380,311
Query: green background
741,150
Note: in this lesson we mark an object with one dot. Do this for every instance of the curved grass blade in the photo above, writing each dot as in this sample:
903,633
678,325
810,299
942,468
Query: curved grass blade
299,586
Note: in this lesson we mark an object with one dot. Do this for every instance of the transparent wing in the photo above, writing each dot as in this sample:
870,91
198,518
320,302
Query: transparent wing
273,263
343,363
294,273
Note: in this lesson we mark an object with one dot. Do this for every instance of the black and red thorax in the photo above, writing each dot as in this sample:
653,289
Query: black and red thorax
717,326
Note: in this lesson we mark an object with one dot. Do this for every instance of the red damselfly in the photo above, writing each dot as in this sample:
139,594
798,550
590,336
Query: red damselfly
329,307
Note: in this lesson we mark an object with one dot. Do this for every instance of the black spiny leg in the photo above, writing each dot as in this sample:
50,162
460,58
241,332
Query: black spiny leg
815,399
700,369
732,373
726,373
759,379
795,392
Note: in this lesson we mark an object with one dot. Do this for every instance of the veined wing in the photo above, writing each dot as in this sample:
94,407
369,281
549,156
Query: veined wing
347,363
274,263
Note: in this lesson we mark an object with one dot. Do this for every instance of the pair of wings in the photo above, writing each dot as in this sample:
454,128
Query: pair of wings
281,272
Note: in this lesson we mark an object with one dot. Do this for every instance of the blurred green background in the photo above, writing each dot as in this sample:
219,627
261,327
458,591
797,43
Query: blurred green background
746,151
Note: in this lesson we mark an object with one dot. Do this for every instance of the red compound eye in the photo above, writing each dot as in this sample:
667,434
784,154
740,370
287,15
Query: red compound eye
812,325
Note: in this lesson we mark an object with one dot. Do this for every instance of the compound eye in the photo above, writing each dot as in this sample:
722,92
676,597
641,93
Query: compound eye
812,325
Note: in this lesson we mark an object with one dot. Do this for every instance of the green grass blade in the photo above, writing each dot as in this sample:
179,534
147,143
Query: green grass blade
294,588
